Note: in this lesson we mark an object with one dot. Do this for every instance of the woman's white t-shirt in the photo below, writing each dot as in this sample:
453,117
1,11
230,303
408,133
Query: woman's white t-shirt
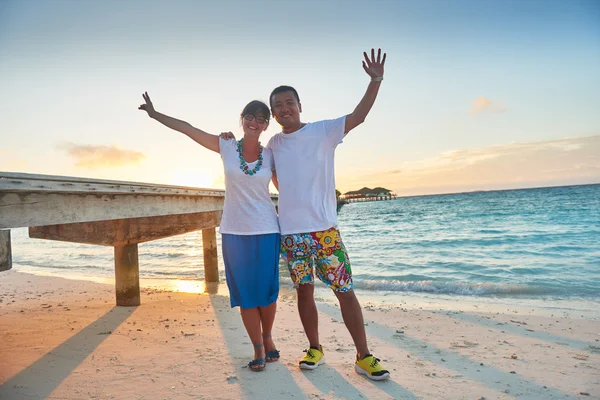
248,208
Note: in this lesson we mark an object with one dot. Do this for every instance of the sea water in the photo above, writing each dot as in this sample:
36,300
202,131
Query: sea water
513,245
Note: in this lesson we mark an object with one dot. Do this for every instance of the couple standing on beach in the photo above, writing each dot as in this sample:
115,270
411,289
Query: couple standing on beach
300,162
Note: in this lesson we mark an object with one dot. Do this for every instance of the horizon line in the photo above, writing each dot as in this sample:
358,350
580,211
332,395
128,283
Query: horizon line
498,190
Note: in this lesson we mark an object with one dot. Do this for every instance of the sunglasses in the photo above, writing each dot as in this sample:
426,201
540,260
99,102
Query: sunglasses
259,120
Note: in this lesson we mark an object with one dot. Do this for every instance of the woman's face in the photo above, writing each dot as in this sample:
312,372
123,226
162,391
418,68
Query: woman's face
254,124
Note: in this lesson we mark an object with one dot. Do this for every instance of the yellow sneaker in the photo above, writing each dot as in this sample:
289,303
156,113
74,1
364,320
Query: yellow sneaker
312,359
370,367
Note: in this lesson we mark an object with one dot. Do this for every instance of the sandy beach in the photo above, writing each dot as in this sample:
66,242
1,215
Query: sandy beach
66,339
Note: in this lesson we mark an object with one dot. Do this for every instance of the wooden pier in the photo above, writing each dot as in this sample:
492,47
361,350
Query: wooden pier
108,213
366,194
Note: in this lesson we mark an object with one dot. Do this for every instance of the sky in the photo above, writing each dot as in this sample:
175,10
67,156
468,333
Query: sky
477,95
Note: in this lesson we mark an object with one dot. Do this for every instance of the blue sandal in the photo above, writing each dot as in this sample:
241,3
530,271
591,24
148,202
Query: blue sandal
258,364
273,355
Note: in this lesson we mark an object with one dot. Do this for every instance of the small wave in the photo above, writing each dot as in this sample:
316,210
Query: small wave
87,256
462,288
152,245
491,231
527,271
175,255
528,239
565,248
35,264
163,255
181,274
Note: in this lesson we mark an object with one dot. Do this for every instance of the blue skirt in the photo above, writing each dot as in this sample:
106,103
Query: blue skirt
252,269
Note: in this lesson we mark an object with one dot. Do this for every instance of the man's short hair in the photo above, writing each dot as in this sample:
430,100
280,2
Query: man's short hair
281,89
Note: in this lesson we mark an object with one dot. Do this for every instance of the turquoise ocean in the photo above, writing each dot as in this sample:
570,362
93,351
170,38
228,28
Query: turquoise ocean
523,246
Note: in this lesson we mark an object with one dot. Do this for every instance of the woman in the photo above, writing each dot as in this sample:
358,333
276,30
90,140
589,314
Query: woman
249,226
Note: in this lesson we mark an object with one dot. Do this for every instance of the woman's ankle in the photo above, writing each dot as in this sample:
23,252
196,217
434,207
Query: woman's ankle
259,351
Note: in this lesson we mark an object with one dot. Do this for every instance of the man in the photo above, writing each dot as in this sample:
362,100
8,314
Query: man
310,240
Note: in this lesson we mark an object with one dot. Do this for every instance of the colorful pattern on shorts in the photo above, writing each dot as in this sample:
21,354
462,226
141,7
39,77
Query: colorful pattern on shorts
322,251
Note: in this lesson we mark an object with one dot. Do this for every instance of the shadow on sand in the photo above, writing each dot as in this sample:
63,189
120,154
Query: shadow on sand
464,366
42,377
255,385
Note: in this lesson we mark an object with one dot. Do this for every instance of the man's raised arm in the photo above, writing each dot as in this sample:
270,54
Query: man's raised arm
373,67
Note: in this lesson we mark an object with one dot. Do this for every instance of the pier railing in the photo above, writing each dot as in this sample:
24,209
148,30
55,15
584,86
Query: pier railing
108,213
360,198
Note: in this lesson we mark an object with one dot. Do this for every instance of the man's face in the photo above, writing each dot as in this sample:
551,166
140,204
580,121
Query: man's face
286,109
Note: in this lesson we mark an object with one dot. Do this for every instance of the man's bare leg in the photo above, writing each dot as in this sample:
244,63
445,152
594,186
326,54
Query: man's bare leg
308,313
353,318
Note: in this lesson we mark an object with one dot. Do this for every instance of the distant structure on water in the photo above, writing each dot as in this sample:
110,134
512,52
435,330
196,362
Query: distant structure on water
366,194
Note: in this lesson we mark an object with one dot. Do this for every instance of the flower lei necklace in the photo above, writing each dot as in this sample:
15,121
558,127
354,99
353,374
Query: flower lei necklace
244,165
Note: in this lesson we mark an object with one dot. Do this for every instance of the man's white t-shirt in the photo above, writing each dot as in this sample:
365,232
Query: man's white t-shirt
248,208
304,161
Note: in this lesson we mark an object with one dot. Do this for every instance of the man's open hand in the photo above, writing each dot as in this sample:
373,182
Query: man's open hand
374,66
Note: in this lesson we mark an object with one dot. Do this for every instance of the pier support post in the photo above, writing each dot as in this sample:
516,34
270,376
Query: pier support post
127,275
209,246
5,252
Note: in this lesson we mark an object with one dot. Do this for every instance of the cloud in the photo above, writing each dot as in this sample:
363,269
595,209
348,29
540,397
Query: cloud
97,157
483,104
471,156
512,165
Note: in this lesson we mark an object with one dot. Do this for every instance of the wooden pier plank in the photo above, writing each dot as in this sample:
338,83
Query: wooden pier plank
36,209
21,182
122,232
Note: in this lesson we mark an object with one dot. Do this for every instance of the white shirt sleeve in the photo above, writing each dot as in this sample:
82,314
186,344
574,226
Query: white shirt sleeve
269,154
270,143
225,146
334,129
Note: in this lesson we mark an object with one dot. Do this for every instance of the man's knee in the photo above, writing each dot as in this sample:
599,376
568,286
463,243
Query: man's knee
347,296
306,290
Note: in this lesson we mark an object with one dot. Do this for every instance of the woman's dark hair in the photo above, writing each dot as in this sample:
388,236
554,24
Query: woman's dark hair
256,107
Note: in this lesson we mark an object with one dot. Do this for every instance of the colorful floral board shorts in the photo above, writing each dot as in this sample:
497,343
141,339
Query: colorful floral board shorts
321,252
